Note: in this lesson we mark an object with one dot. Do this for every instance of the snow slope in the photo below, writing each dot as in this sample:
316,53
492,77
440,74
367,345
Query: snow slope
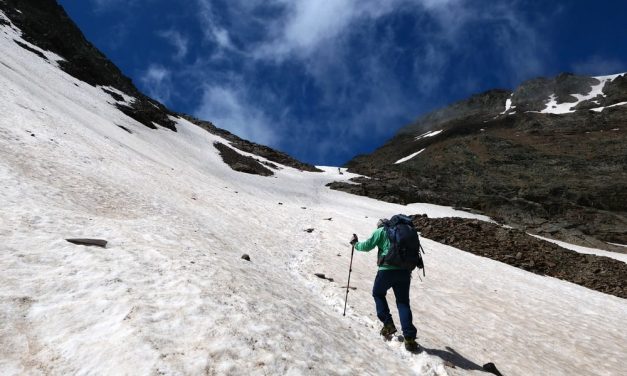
580,249
171,295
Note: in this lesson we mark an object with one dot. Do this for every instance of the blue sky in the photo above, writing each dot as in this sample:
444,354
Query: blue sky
325,80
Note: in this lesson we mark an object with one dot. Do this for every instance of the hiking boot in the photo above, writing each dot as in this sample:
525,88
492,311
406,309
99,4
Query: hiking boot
388,330
411,345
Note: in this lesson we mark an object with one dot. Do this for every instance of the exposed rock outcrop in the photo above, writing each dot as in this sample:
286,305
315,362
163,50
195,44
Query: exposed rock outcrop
241,163
89,242
251,147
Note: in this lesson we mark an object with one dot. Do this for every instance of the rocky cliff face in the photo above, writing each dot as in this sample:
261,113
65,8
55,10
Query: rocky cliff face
45,24
549,157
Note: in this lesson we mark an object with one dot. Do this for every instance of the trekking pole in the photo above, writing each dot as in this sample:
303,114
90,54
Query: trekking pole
424,274
350,269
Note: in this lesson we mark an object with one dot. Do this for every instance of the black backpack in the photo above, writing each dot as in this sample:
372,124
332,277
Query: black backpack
404,244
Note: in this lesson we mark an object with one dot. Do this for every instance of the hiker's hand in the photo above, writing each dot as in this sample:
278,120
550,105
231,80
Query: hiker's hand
354,239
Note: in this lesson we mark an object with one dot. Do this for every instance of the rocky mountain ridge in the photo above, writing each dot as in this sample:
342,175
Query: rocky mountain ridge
548,157
531,95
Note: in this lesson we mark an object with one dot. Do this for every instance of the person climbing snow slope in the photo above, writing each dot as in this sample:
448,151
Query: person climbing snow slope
388,276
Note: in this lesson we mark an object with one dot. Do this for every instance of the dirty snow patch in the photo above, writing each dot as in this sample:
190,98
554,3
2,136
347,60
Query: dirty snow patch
587,250
609,78
337,173
599,109
508,105
552,107
409,157
429,134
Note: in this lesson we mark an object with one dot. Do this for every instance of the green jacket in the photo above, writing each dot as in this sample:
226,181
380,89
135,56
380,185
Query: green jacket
378,239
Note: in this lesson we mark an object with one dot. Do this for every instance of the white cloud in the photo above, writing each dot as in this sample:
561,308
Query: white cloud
315,33
178,40
309,25
362,97
156,80
211,28
229,108
306,26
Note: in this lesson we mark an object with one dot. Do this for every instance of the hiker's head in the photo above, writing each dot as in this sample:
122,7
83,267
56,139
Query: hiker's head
381,222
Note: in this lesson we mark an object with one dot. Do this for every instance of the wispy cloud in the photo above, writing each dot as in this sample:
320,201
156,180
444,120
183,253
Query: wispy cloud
305,26
211,27
231,109
316,33
157,81
177,40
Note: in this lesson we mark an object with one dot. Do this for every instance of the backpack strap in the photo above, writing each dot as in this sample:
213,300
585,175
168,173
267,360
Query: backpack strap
386,230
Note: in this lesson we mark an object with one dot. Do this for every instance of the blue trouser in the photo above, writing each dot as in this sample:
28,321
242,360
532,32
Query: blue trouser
398,281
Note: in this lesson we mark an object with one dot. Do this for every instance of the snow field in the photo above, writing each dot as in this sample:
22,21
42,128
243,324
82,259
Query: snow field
171,295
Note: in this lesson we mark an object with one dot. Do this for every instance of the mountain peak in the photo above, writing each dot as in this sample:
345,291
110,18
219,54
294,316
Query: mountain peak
542,157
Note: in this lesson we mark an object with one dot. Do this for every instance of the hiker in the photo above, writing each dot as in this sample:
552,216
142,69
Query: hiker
389,276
